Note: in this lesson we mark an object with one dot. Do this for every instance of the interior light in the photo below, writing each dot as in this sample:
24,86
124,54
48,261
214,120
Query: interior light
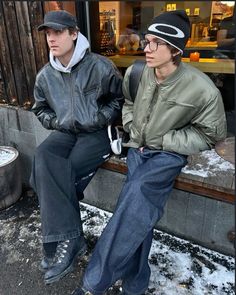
229,3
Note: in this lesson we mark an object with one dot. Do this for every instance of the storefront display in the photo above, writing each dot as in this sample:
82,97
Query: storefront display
205,18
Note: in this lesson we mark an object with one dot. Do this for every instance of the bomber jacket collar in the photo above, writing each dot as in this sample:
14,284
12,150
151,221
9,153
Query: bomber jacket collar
171,78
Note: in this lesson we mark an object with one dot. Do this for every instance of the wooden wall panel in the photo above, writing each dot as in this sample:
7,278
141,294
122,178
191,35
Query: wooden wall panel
15,51
7,76
23,50
27,49
39,40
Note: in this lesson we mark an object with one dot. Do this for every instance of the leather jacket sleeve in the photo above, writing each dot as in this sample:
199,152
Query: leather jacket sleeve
111,109
42,110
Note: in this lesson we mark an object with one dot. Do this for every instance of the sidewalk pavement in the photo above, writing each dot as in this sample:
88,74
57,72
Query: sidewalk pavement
178,267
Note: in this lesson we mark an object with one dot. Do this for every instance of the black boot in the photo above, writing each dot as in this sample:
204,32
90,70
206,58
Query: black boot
67,252
49,250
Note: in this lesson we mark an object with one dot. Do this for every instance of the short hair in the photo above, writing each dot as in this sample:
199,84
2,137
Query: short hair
73,30
175,58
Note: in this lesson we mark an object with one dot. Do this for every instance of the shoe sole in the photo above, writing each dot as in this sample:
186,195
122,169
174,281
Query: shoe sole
69,269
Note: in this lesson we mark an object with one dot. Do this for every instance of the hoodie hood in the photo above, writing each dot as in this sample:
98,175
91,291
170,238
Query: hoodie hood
82,45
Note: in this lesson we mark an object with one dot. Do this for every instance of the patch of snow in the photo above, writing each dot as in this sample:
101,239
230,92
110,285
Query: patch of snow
199,172
211,163
178,267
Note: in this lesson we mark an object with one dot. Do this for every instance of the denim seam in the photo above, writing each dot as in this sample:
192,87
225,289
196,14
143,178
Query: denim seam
61,237
137,244
125,260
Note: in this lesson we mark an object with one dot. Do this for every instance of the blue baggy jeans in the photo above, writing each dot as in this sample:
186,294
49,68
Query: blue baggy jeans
123,248
60,162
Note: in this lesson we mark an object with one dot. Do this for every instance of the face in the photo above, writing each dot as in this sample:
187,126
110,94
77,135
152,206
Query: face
158,54
61,43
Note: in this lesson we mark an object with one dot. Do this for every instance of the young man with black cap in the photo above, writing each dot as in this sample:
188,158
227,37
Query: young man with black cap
177,111
77,95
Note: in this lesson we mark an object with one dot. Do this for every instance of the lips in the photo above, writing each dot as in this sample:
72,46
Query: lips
148,58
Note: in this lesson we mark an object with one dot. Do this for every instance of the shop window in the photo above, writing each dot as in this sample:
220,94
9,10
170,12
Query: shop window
122,25
120,30
60,5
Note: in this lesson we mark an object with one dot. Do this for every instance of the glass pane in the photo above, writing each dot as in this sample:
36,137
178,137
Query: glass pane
60,5
122,25
121,30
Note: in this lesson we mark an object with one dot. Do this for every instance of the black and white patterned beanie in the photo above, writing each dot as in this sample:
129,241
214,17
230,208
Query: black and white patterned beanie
172,27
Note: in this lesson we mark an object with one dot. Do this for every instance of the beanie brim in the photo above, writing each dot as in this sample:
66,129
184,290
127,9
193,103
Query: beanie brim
163,39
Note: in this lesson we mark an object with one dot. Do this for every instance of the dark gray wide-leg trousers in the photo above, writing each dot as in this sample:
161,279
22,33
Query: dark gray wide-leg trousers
62,162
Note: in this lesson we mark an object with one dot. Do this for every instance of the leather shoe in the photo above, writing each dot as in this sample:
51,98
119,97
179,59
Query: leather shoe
67,253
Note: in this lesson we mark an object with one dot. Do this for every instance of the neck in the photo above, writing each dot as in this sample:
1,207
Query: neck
65,59
163,72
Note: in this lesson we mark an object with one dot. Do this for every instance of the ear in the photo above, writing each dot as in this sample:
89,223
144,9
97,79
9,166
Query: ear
176,53
75,35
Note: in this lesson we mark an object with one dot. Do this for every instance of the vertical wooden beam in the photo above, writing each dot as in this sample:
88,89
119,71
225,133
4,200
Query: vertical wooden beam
5,60
15,51
26,43
39,40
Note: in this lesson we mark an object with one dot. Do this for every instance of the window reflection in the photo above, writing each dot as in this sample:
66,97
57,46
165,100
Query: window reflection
60,5
123,25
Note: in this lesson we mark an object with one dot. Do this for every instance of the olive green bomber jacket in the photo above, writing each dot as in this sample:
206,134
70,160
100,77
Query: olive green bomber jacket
183,114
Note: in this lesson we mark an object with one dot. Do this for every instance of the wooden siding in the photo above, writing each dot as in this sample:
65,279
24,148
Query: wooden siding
23,50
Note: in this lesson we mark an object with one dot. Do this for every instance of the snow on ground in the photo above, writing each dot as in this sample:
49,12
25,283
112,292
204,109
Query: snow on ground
178,266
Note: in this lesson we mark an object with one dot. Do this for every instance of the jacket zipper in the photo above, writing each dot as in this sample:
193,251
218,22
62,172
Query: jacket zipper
150,108
72,102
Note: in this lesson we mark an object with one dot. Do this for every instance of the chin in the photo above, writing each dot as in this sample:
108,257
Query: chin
150,64
56,53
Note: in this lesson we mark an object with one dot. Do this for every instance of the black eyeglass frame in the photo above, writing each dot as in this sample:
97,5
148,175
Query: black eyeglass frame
155,44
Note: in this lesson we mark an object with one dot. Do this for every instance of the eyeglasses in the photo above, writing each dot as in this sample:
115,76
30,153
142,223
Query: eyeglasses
153,45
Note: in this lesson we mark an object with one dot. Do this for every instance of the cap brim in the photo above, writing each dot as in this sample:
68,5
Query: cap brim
51,25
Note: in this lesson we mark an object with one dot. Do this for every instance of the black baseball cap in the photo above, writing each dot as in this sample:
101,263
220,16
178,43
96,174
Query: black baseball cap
58,20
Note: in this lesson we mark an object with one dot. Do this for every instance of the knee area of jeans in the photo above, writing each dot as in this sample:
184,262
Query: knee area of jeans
43,155
142,185
39,154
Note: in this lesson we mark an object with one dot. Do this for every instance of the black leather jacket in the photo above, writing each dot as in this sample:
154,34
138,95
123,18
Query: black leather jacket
85,100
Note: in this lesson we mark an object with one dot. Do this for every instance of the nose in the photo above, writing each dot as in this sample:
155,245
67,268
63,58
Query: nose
146,48
50,38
